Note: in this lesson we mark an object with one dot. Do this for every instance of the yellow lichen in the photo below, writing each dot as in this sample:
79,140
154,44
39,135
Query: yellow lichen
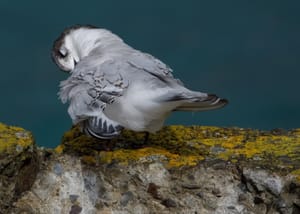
124,156
59,149
90,160
14,139
273,145
186,146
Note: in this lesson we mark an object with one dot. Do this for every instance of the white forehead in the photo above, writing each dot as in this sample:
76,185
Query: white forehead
80,42
85,36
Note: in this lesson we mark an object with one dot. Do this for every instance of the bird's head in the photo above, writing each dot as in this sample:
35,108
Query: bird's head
75,43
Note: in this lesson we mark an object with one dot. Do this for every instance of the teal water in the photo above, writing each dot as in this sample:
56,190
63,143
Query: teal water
246,51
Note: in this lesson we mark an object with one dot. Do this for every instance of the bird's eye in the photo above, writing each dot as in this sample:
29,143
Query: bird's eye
62,53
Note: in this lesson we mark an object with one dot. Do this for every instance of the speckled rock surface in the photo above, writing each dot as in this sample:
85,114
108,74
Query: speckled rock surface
178,170
18,164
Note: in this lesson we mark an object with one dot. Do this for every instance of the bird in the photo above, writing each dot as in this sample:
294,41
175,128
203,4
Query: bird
111,86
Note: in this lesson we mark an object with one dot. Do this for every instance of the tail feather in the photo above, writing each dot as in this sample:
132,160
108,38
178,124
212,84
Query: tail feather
210,102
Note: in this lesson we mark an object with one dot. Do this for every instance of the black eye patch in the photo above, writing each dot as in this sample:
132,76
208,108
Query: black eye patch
61,55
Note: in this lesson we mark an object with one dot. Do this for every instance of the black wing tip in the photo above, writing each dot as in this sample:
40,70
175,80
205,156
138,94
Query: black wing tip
216,100
224,101
220,103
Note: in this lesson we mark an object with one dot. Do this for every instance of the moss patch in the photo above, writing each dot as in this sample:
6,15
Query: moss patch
186,146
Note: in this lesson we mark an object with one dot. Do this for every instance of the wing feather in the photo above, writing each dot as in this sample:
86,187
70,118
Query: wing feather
95,84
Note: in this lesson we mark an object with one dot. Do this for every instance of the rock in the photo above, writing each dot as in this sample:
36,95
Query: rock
264,181
169,202
75,209
126,197
153,190
18,164
179,170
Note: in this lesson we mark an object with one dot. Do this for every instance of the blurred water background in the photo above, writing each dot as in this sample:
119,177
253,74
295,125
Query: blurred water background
246,51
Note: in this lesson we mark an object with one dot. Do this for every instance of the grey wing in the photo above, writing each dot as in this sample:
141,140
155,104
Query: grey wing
93,85
89,91
152,65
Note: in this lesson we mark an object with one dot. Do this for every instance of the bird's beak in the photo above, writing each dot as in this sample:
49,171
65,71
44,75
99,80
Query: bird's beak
75,62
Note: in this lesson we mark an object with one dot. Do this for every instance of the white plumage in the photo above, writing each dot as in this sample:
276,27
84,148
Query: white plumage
113,86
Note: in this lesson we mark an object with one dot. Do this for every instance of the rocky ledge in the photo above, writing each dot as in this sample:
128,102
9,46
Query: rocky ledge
178,170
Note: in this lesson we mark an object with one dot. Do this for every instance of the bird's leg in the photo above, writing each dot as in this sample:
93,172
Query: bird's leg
146,137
